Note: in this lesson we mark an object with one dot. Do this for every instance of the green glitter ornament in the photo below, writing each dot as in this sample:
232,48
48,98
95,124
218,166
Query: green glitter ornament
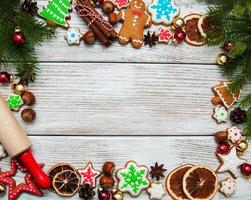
14,101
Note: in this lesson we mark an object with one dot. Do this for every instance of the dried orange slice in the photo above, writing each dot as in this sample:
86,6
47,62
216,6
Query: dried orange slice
59,168
200,183
193,35
66,183
174,182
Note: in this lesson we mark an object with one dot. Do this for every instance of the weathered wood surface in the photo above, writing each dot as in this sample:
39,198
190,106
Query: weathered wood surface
172,151
58,50
124,99
118,103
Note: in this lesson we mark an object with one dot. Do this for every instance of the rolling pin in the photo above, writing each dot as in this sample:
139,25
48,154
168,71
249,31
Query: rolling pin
17,144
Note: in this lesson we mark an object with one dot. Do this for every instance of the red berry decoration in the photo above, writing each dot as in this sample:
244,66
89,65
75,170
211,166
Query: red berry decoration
227,46
18,37
246,169
180,35
223,148
104,195
4,77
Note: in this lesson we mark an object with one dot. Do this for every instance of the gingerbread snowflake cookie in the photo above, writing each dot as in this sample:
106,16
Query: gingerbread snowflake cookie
89,175
73,36
156,191
133,178
165,35
228,187
234,134
220,114
163,11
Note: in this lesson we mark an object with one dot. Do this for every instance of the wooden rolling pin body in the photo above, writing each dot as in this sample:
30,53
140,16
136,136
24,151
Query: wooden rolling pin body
12,137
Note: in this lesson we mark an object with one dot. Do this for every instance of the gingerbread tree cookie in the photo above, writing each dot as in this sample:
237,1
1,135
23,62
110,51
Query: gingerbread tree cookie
135,19
222,96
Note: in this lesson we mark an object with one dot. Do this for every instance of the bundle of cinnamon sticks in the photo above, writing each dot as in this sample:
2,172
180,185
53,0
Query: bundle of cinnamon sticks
103,30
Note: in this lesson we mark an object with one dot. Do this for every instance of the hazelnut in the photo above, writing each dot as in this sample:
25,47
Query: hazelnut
108,168
28,115
113,18
221,136
89,37
108,7
106,182
28,98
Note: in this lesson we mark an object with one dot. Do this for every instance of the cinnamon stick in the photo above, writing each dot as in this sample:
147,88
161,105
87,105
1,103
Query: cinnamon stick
95,30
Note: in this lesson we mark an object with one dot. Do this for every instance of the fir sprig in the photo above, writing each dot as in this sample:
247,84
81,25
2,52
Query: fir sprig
231,21
23,57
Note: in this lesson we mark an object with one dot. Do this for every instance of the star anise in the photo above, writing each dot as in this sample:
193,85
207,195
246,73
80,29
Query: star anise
86,192
29,6
157,171
150,39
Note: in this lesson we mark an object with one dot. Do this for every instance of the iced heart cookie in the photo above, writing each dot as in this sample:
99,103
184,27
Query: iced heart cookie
135,19
163,11
133,178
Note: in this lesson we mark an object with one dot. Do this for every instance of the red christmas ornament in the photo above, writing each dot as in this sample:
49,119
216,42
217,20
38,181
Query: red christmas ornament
104,195
4,77
16,190
18,37
246,169
180,35
227,46
223,148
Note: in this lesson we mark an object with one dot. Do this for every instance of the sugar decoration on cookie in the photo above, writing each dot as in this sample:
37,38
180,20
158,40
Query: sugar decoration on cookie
133,178
14,101
220,114
89,175
230,162
120,3
165,35
228,187
222,95
234,134
73,36
135,20
163,11
56,12
156,191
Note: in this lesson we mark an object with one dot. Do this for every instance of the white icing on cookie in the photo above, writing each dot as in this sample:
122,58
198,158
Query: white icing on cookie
156,191
228,186
220,114
234,134
73,36
164,35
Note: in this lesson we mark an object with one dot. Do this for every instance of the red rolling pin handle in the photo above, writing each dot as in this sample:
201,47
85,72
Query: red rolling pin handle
42,179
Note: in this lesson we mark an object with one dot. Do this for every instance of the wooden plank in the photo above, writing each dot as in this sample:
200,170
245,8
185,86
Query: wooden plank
172,151
58,50
124,99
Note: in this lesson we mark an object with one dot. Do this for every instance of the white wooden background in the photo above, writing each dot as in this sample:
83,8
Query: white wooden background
153,104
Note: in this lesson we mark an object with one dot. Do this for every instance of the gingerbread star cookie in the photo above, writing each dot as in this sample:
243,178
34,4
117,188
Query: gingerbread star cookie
220,114
234,134
73,36
156,191
89,175
230,162
133,178
227,187
222,95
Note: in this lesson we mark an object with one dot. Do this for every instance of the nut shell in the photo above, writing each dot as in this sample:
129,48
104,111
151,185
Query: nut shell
108,168
106,182
113,18
108,7
28,115
89,37
28,98
221,136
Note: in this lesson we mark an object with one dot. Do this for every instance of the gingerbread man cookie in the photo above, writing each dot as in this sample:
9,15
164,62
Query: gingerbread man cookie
135,19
